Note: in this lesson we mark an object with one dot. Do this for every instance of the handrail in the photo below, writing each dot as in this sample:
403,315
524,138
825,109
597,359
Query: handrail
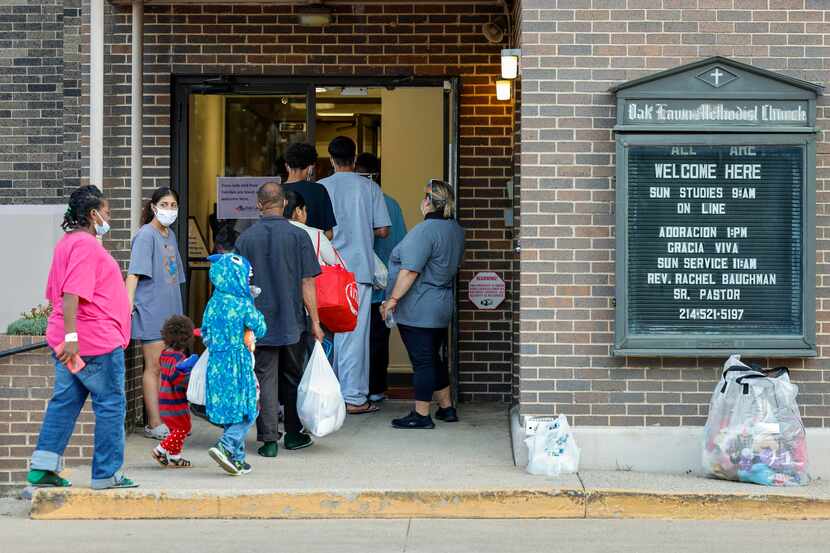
22,349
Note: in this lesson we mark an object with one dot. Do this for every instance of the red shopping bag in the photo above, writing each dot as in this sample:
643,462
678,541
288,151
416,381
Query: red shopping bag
337,296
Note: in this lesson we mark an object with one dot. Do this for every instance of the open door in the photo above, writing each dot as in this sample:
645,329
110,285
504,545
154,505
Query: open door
451,108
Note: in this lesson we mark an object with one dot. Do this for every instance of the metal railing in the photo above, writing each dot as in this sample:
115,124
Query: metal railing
22,349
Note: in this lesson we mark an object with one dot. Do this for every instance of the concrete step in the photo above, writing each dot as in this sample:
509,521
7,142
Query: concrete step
682,498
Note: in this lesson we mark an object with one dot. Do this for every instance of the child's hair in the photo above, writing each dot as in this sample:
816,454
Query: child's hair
177,333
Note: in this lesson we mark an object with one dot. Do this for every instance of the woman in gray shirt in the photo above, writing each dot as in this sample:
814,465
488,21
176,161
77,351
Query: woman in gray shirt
154,281
422,271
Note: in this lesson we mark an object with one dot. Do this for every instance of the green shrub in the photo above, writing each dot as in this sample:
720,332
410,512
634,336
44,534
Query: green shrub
31,323
28,327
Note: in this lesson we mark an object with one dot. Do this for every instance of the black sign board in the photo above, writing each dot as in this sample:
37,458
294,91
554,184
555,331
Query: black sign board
715,239
715,212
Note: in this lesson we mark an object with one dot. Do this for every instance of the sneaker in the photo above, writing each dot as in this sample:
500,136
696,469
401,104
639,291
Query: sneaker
160,432
268,449
219,454
414,421
297,440
447,414
242,467
46,479
119,482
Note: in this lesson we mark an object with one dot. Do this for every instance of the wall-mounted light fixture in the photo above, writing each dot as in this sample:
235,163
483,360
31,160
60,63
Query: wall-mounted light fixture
503,89
510,63
313,15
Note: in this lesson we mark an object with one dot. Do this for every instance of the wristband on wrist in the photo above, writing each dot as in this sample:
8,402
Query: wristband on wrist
71,337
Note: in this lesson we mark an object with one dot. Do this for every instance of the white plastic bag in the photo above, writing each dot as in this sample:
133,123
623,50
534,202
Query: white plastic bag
552,449
196,385
319,401
381,276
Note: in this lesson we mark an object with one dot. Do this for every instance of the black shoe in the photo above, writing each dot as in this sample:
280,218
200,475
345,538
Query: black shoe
414,420
297,440
447,414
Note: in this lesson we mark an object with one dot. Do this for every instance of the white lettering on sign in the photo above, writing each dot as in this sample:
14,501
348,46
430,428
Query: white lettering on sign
661,112
744,171
486,290
685,171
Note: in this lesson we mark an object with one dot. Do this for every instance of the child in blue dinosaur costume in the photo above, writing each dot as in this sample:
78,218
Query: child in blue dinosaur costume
230,383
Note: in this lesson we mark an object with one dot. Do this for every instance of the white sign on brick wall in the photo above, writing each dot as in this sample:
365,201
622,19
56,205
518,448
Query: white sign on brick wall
486,290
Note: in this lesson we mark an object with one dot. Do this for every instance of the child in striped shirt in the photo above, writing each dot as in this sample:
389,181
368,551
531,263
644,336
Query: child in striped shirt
177,334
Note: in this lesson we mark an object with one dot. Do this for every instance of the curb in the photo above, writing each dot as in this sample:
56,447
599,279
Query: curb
82,504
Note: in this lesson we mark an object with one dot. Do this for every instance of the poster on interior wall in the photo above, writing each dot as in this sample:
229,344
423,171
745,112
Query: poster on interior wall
236,196
486,290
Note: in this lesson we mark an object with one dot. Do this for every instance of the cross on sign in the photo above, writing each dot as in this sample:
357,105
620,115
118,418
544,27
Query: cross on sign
716,74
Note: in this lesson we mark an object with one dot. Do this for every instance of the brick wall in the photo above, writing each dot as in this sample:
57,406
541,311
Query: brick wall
573,52
31,102
424,38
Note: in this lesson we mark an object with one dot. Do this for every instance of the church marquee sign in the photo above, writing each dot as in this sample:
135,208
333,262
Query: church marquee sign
716,213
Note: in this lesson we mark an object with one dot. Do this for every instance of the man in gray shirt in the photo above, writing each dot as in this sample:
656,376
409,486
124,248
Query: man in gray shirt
361,214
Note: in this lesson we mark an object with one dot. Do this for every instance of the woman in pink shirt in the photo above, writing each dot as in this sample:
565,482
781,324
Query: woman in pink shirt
87,331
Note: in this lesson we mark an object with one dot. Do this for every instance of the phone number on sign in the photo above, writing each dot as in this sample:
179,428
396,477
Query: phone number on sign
711,314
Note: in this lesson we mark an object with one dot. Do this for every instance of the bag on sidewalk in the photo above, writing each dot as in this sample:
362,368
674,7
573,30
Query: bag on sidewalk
319,401
552,449
754,431
196,385
337,297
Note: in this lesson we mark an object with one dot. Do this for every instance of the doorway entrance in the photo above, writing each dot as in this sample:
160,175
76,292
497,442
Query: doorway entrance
241,127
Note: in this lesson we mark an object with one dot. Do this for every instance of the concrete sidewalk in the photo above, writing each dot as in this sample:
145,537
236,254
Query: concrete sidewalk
370,470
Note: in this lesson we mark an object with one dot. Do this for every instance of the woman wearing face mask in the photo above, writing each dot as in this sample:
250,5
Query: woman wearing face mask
88,330
154,281
422,271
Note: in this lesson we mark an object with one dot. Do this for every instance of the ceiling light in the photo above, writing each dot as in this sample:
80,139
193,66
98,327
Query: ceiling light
335,114
510,63
503,90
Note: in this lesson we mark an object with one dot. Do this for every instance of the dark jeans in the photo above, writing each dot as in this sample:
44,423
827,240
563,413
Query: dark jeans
283,364
425,349
379,352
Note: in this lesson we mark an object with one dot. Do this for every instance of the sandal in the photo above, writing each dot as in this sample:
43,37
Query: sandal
179,463
363,409
161,458
46,479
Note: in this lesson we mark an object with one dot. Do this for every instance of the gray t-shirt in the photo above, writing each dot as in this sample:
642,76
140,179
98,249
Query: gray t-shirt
156,261
434,249
281,256
359,208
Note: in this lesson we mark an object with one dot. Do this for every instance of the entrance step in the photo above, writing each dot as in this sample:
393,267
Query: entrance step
574,503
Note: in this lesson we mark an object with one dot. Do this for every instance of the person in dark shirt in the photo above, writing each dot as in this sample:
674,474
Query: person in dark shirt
284,265
300,159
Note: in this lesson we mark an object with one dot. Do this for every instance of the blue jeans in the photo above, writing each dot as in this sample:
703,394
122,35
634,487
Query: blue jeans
103,378
233,439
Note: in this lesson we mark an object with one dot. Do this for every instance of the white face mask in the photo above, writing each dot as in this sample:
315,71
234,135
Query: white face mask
167,216
103,228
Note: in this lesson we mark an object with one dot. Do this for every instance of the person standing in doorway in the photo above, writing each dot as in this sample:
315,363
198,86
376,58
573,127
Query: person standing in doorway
154,280
422,270
284,266
297,214
368,165
88,330
361,216
300,159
